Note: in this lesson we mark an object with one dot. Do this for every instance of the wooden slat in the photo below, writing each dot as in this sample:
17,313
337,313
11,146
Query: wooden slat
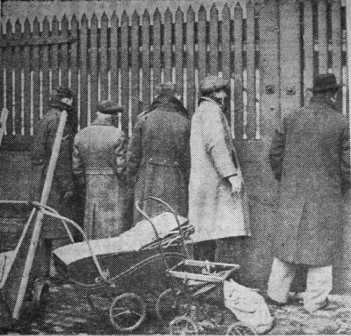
269,66
103,58
64,53
214,40
83,72
135,67
190,60
125,70
18,80
202,44
290,55
168,46
114,57
74,58
238,73
336,38
45,65
36,76
27,81
179,51
94,94
250,127
146,60
55,55
322,36
308,48
2,63
156,62
226,45
9,85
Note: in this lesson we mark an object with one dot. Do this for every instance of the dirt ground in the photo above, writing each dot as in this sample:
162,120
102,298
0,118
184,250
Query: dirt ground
66,312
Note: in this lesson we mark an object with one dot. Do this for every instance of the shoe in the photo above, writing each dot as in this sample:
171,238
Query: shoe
319,311
275,303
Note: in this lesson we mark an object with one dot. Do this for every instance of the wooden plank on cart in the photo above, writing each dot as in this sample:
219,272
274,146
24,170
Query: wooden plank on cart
27,82
179,51
238,72
45,65
104,57
9,82
308,49
18,80
290,55
250,122
146,60
3,122
213,40
190,60
135,67
94,86
202,43
83,71
157,37
168,44
322,36
64,52
125,70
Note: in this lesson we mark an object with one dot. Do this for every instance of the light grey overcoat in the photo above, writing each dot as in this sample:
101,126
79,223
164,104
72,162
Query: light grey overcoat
213,210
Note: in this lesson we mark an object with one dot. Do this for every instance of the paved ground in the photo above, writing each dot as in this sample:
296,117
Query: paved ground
68,313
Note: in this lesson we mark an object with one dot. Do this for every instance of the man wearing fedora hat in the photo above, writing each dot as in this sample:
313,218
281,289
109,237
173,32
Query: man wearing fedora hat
310,156
61,195
99,157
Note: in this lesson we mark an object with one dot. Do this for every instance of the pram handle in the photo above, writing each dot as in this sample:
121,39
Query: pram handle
156,199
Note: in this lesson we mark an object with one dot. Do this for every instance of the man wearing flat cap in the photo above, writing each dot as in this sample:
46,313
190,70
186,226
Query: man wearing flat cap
218,206
62,189
310,157
99,156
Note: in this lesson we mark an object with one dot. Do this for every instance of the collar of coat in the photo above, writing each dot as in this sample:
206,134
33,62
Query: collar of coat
102,122
168,104
202,99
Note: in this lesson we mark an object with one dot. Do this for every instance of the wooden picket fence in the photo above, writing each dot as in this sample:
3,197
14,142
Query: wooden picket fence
270,54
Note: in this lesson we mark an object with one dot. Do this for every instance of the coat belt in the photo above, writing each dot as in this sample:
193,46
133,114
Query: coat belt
161,161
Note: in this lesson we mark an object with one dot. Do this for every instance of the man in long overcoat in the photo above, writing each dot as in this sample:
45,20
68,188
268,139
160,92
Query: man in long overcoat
62,189
159,156
99,156
217,202
310,156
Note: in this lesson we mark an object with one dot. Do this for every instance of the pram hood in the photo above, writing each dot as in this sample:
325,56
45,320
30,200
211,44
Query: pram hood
136,238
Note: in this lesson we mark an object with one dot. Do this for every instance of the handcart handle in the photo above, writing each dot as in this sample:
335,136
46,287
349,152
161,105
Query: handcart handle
156,199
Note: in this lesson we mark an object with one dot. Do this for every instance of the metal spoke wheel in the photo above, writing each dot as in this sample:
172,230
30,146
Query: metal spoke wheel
127,312
240,328
170,304
183,325
100,304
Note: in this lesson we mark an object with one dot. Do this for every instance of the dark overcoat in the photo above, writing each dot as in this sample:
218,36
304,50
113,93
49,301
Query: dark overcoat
99,155
159,157
44,139
310,155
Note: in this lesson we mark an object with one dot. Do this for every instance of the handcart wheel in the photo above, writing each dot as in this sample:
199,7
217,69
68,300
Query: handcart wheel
99,303
240,328
170,304
183,325
40,294
127,312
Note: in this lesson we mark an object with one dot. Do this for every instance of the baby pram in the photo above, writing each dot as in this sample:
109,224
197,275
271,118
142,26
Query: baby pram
125,275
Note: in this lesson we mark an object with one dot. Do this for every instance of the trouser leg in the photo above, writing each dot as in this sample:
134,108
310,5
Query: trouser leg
281,277
205,250
319,285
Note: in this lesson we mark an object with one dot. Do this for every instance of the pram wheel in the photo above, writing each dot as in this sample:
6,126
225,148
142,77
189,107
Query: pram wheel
239,328
127,312
183,325
170,304
99,303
